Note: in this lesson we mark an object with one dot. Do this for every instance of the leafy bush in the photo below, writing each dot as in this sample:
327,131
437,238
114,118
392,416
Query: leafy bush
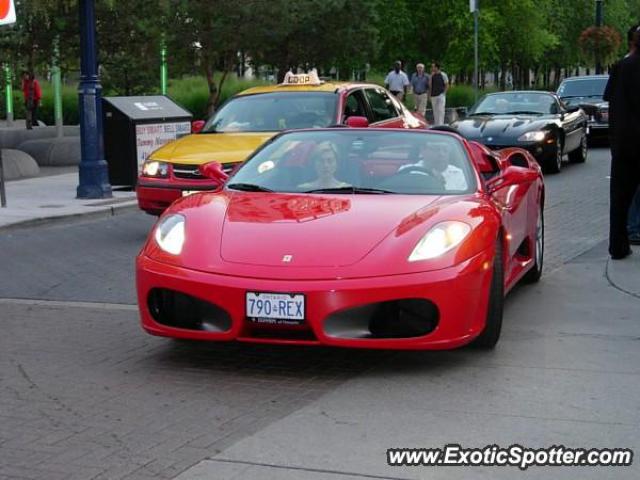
192,93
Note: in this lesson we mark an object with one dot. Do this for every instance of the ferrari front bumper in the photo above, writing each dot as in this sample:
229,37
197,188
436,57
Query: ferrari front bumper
459,295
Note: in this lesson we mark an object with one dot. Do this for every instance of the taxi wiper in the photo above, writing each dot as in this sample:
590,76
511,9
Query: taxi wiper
350,189
248,187
481,113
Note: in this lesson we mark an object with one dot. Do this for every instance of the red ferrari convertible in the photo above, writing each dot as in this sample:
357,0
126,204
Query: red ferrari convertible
366,238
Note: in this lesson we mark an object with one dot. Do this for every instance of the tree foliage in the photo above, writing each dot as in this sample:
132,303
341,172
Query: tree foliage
214,38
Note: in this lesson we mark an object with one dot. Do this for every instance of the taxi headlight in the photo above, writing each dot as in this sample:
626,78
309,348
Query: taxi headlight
153,168
169,234
535,136
439,240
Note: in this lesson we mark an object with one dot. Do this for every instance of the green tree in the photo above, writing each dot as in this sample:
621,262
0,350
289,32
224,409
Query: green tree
129,45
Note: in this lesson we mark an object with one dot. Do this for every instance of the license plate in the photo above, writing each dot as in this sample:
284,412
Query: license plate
186,193
275,308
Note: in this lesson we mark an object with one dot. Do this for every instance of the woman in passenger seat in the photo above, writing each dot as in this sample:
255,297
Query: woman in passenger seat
325,162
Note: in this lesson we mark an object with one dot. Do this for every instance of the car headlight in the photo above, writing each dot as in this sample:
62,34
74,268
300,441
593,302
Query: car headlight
440,239
535,136
153,168
170,234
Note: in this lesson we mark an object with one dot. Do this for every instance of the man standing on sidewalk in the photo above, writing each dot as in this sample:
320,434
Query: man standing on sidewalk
32,96
397,81
623,95
420,87
439,87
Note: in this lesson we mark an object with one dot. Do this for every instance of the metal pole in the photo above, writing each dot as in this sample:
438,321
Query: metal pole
9,94
475,52
3,196
599,22
93,169
57,90
163,67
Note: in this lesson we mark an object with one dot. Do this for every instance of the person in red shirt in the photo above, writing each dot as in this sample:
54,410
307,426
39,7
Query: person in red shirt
32,95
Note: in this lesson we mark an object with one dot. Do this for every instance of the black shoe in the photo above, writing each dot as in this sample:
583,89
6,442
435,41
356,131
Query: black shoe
620,256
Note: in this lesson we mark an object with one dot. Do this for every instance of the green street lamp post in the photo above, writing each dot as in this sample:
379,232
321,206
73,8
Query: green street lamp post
57,89
163,67
9,94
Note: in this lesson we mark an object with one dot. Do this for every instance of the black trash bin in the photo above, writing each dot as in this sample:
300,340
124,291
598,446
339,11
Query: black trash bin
136,126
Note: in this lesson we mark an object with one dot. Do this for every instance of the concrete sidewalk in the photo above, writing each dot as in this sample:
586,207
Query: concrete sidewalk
45,198
565,373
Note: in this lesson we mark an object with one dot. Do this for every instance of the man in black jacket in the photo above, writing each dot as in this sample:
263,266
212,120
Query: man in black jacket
623,94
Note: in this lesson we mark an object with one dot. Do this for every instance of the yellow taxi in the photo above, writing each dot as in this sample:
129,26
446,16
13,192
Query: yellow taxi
253,116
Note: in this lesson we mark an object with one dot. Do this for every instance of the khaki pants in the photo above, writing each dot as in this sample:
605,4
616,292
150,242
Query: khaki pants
438,103
399,95
421,103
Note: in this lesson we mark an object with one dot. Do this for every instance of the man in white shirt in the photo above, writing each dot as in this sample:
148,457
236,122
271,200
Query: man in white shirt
435,160
397,81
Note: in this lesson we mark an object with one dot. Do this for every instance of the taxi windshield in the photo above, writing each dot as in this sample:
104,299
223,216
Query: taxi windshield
359,162
269,112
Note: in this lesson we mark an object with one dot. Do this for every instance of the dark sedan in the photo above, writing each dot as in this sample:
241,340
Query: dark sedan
587,92
535,121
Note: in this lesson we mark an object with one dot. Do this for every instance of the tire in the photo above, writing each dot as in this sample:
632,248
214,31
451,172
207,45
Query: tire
553,164
579,155
493,325
533,275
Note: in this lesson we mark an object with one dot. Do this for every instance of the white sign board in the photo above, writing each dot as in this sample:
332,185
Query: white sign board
473,5
151,136
7,12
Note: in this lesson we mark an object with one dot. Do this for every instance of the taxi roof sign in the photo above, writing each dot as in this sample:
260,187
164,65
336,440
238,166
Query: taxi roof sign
7,12
310,78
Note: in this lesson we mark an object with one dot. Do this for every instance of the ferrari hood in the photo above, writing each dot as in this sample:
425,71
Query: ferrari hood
207,147
499,129
310,230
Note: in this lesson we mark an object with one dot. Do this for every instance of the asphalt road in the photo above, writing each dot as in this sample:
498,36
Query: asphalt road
85,394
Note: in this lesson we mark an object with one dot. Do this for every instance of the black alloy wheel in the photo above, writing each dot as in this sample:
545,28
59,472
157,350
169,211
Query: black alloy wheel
553,163
579,155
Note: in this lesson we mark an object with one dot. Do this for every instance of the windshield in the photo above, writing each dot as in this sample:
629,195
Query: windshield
269,112
592,87
514,103
356,161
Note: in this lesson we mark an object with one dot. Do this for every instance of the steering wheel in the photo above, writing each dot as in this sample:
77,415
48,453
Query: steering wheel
415,169
404,180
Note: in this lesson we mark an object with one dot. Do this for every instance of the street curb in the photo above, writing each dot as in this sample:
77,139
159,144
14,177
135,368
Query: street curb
46,221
